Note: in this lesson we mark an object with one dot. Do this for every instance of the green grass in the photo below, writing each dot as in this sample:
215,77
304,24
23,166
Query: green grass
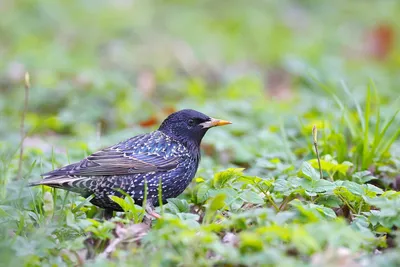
105,71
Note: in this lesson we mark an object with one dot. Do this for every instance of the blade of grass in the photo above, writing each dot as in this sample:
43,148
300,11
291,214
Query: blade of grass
377,136
286,142
87,200
350,125
383,132
36,206
386,146
367,117
356,103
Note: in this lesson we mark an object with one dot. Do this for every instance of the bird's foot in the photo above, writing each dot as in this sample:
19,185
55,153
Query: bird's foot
150,211
154,214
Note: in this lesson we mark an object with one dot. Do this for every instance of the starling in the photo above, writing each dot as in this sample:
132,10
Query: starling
170,154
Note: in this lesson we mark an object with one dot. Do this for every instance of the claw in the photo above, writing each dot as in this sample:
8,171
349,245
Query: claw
150,211
154,214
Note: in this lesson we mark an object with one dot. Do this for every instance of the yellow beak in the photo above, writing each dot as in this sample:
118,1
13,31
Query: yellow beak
214,122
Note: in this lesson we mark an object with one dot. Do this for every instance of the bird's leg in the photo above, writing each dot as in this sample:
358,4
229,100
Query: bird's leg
108,214
150,210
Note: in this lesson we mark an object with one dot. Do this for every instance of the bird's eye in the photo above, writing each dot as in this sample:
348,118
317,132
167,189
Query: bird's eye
191,122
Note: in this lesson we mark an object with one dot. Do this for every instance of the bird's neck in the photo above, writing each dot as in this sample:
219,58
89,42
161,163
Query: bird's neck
191,142
192,145
194,149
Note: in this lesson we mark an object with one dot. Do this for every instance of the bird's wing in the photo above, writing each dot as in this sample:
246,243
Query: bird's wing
113,162
130,157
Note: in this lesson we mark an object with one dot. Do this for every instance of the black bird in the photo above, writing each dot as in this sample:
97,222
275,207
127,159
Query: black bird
170,154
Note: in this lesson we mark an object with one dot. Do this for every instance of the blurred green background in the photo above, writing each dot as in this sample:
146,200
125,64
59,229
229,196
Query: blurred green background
102,71
118,62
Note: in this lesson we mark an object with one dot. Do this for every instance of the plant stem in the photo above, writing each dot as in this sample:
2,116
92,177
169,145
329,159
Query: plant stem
268,195
22,126
315,133
284,202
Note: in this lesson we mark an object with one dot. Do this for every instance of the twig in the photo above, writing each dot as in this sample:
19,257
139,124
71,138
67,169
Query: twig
112,246
130,234
284,202
22,126
315,135
268,195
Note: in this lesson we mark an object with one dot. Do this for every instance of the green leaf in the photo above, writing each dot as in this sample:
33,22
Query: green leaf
303,241
218,202
370,188
324,186
121,202
325,165
250,241
70,218
221,178
178,205
363,177
309,171
354,188
252,197
202,193
214,204
326,211
330,201
361,224
343,167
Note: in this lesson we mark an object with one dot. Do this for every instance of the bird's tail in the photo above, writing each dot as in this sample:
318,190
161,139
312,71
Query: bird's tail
63,182
34,183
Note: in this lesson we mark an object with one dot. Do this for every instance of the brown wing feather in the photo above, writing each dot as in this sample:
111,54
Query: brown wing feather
113,162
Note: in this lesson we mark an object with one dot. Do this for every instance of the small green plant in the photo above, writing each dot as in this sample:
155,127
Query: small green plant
132,211
369,143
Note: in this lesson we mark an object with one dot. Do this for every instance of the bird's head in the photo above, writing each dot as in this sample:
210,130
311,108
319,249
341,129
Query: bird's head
189,126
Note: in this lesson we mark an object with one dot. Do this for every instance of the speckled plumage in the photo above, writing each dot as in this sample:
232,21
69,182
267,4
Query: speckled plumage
170,155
